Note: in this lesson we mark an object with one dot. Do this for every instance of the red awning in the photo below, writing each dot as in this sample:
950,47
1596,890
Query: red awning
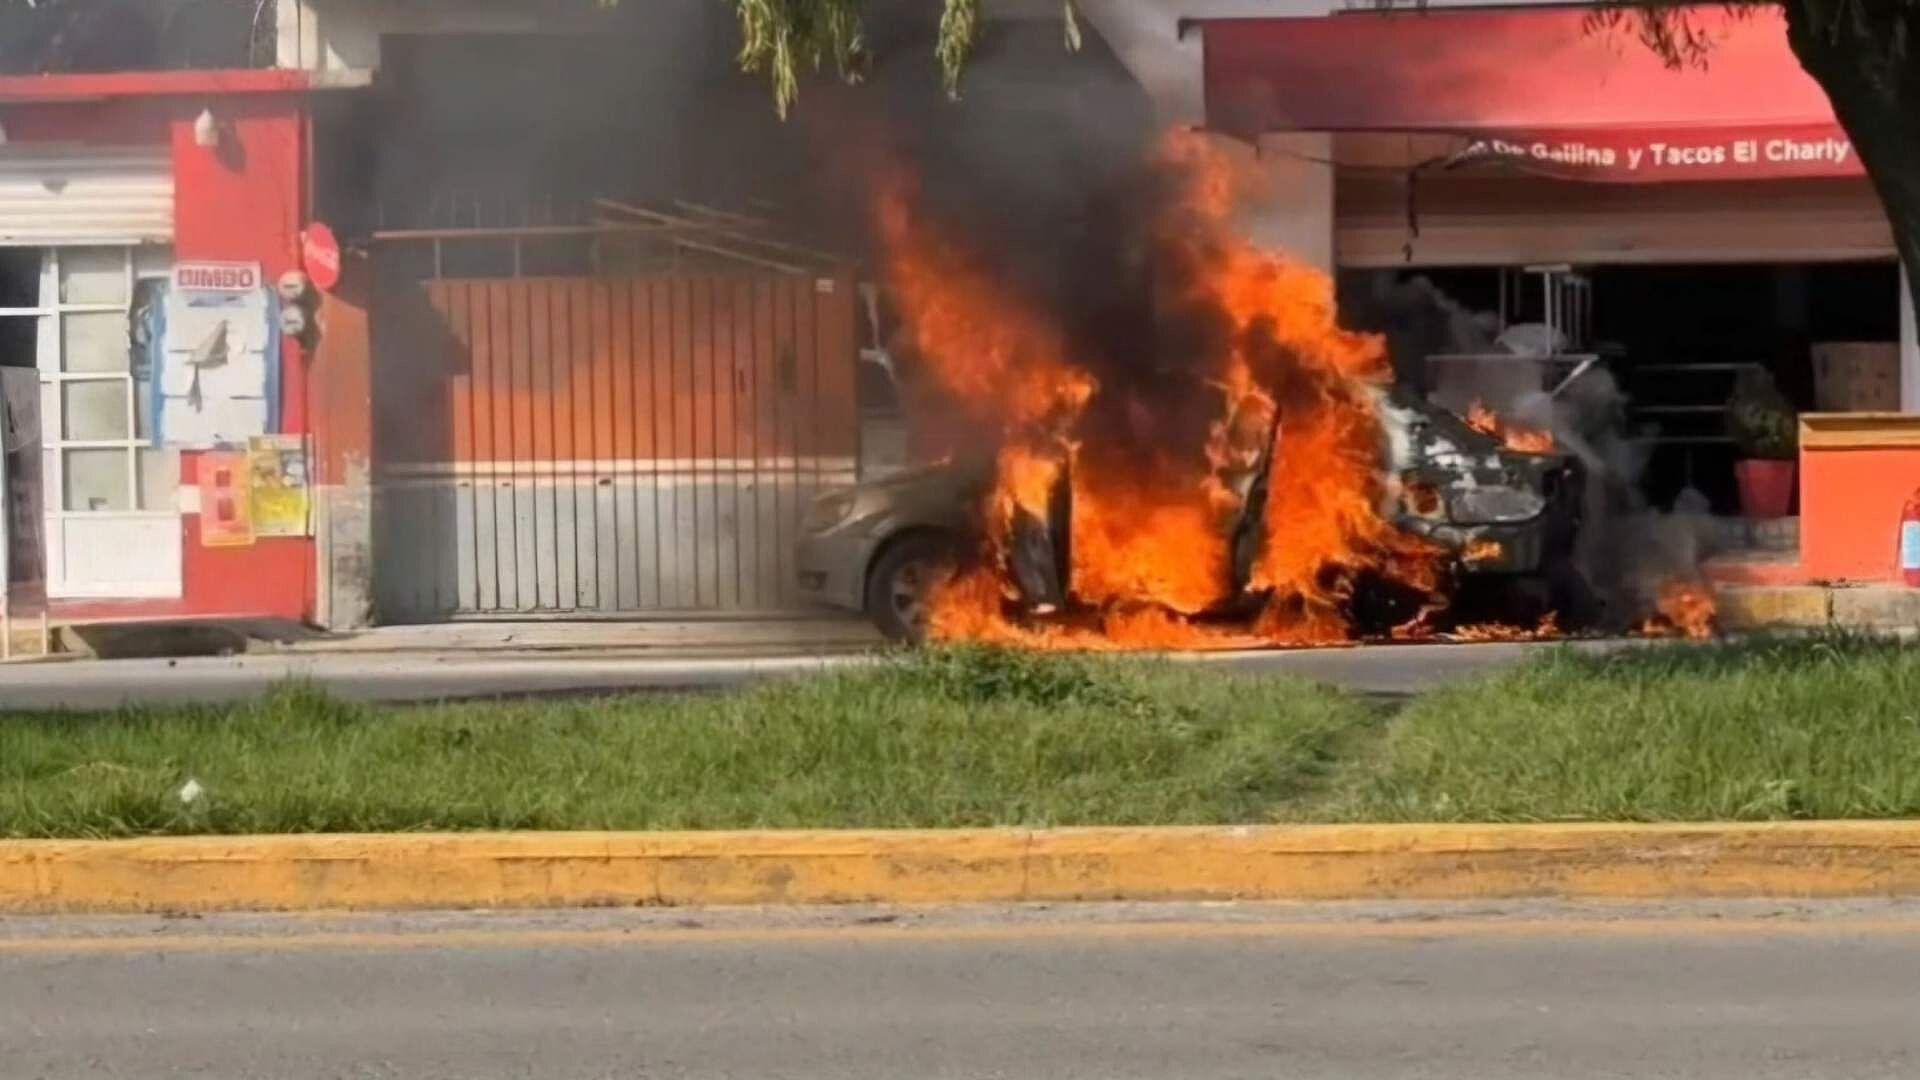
1537,87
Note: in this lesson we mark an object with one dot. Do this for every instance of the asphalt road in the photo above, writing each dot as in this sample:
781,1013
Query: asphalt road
422,676
1107,993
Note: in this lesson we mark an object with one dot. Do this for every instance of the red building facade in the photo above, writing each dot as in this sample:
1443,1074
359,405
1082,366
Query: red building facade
94,158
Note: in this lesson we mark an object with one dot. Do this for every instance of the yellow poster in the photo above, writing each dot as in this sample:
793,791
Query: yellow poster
277,485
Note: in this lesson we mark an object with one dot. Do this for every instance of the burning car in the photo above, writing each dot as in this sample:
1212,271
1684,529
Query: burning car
1499,518
1201,457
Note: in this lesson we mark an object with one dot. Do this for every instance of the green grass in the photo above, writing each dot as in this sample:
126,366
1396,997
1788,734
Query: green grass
1824,727
952,738
1827,727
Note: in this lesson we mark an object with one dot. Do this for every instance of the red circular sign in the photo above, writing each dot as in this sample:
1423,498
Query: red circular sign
320,254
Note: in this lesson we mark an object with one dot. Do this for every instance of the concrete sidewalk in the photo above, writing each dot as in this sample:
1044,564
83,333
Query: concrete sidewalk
787,636
784,635
1383,670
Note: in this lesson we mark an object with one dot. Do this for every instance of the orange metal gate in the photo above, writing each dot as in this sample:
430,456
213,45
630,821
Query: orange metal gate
607,446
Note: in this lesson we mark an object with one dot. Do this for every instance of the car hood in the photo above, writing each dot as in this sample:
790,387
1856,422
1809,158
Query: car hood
1422,437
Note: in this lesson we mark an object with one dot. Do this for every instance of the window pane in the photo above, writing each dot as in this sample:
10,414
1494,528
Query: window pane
93,275
18,337
152,261
159,478
143,409
96,341
97,480
20,277
93,411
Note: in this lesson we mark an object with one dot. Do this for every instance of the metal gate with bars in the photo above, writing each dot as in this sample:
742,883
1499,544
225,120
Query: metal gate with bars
631,445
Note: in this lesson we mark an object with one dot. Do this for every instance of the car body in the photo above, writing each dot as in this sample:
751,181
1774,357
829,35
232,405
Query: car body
847,531
1527,504
875,546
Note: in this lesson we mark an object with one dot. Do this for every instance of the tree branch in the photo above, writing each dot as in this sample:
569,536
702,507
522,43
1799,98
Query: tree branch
784,39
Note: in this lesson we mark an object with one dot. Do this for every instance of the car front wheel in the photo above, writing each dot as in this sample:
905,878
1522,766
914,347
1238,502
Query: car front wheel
901,582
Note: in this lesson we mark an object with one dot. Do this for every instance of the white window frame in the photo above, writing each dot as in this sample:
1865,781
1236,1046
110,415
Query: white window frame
140,262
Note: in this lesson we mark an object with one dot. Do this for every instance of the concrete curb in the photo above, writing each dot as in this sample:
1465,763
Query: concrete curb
1874,608
1312,862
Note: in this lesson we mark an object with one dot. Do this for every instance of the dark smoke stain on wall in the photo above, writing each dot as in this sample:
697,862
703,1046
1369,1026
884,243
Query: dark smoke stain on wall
70,36
1035,169
653,107
504,130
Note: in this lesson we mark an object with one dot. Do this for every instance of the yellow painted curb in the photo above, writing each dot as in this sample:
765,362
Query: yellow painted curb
1308,862
1763,607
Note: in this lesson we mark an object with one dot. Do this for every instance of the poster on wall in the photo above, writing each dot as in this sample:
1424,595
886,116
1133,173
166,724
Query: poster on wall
226,512
277,485
218,370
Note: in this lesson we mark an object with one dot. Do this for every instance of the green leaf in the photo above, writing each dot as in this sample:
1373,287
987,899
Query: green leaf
959,30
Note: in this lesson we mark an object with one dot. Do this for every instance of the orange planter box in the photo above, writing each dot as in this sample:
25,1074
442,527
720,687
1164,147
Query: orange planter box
1856,473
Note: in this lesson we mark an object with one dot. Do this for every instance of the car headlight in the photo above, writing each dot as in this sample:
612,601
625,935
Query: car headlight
1494,504
829,510
1421,499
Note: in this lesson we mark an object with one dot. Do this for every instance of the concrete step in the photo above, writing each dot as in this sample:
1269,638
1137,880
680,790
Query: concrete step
1773,568
25,640
1859,607
1744,535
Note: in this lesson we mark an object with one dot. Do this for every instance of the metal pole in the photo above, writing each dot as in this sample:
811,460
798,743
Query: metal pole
1586,312
1579,370
1550,285
1579,302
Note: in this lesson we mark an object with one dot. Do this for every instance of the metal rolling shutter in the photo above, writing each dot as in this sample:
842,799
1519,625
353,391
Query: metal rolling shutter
84,195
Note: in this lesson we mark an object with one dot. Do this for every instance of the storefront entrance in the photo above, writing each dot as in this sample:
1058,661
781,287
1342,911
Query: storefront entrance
107,520
1673,339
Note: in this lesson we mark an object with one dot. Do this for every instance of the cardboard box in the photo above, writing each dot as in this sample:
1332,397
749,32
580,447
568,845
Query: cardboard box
1857,376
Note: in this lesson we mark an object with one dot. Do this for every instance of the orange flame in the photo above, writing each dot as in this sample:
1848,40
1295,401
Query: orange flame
1286,346
989,353
1026,480
971,606
1152,528
1481,551
1548,627
1686,608
1137,541
1519,439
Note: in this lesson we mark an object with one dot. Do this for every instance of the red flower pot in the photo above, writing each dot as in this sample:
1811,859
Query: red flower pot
1766,487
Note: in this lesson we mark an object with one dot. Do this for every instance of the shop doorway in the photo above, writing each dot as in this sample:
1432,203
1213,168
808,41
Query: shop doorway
1675,338
92,505
1686,331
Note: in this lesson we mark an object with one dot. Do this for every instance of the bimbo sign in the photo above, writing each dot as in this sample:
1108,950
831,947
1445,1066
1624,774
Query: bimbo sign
216,276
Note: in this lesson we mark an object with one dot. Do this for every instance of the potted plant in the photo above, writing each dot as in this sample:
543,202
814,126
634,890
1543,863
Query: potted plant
1766,438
